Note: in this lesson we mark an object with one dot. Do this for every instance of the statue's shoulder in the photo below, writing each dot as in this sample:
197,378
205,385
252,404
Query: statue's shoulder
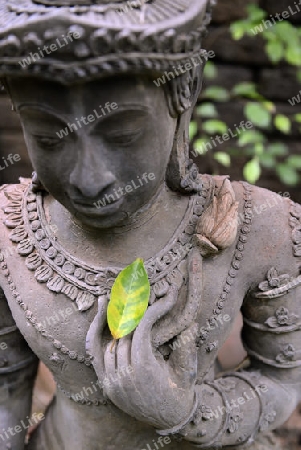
262,217
268,210
273,228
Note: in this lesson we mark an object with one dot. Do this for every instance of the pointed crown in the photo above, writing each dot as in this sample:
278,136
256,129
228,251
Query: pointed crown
72,40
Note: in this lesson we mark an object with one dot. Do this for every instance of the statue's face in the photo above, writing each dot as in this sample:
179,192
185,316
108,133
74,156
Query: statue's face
106,142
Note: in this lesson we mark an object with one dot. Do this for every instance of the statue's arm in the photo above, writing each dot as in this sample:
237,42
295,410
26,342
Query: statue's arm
236,407
18,367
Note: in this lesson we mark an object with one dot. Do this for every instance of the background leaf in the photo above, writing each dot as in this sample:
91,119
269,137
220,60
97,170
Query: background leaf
257,114
283,123
223,158
252,170
129,299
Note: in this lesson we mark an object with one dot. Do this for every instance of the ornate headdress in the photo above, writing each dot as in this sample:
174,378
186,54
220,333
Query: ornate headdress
72,41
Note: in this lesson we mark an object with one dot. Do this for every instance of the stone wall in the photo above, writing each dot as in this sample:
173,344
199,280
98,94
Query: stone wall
246,60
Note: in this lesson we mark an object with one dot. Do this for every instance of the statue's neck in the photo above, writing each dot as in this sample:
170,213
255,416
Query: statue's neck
142,235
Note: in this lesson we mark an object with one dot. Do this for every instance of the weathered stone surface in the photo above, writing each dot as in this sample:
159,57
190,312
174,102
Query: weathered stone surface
279,83
248,50
229,11
278,6
228,76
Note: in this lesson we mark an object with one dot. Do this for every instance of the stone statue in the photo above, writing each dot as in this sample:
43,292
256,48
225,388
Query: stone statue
113,181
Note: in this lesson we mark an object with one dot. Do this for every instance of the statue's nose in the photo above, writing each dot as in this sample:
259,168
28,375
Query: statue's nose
90,176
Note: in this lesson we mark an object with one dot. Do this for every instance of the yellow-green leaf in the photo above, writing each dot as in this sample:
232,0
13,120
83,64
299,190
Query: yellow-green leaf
129,299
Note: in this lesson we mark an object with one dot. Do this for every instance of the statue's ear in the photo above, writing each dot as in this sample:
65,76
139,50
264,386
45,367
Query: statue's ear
179,159
182,96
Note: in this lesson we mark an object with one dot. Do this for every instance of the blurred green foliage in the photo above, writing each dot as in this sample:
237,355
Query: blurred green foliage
282,43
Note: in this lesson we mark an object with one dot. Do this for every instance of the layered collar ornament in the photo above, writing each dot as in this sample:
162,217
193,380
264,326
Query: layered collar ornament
64,273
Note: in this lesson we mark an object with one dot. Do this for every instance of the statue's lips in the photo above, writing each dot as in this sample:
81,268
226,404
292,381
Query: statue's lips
89,209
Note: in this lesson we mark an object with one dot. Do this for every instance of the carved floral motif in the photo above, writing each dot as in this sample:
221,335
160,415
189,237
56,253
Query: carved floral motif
288,353
235,417
282,318
226,384
203,413
268,417
274,280
295,223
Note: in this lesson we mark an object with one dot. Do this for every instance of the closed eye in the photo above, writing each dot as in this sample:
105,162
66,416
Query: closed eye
48,142
124,137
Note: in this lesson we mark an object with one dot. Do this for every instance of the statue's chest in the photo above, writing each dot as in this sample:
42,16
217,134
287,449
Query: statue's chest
56,329
52,325
53,295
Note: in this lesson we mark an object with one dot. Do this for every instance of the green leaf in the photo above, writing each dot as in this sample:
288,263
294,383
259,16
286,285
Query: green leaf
283,123
293,55
294,161
223,158
217,93
277,149
246,89
251,137
207,110
200,146
129,299
210,70
267,161
259,149
288,175
275,50
256,14
269,106
252,170
257,114
238,29
297,117
193,130
214,126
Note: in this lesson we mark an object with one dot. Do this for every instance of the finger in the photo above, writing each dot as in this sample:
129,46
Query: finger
184,357
118,385
110,358
191,309
142,353
94,339
124,352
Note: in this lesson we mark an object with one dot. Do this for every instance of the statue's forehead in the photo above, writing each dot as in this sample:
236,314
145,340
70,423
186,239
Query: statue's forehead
83,97
109,89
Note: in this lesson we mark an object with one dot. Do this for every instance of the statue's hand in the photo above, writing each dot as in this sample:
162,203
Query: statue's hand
141,382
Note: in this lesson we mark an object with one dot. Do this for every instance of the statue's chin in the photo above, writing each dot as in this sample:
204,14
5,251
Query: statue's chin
101,222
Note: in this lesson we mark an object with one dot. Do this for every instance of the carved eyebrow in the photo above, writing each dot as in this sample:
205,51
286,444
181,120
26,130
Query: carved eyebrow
126,107
44,109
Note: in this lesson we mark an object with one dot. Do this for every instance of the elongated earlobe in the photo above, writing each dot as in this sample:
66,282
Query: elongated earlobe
182,174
